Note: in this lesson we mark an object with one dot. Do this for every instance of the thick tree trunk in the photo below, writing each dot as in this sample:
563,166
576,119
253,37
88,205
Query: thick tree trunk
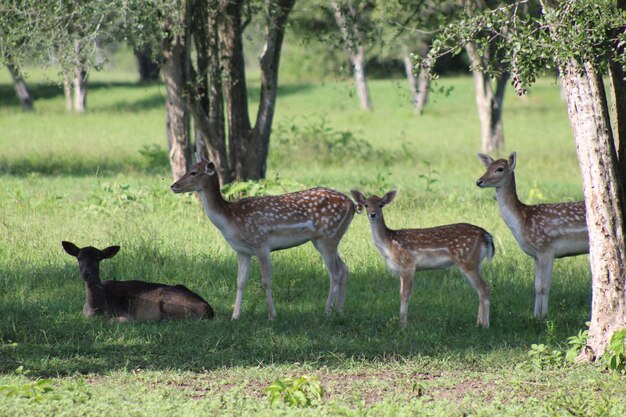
420,85
21,88
270,60
489,104
239,129
149,68
589,117
175,63
352,39
67,91
206,100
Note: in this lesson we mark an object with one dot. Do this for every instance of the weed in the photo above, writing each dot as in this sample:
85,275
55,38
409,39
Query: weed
35,390
615,356
541,357
430,178
296,392
577,343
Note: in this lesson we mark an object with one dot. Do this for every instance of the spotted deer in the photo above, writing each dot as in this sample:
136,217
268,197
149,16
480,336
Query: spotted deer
410,250
543,231
256,226
135,301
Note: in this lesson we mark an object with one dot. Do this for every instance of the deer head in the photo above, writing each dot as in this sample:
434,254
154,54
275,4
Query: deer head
89,259
193,179
498,172
374,204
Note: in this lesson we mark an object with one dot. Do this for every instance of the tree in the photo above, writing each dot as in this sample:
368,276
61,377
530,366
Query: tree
582,39
21,88
351,26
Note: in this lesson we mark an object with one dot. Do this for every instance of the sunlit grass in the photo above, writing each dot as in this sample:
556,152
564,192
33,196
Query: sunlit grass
88,179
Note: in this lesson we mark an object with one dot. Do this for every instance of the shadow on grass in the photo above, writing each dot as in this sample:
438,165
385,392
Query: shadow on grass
50,337
51,90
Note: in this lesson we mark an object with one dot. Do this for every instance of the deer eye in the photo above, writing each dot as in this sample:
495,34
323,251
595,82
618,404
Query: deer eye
365,205
380,206
192,173
500,169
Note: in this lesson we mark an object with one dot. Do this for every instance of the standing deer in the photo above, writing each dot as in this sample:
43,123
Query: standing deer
408,250
259,225
543,231
135,301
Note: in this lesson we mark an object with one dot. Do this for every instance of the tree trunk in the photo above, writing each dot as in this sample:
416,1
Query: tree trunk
589,118
352,39
239,129
80,90
419,86
175,66
21,88
488,102
148,68
270,60
67,91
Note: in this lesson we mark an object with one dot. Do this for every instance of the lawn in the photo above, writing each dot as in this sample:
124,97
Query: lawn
102,179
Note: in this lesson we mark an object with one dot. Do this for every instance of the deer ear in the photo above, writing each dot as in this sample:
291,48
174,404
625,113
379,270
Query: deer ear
512,160
388,198
358,196
70,248
485,159
108,253
210,168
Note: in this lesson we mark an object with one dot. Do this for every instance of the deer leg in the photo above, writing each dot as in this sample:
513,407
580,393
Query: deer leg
343,284
473,277
266,277
543,278
243,267
334,264
406,288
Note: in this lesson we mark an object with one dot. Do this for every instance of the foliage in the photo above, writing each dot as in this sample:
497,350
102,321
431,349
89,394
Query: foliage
615,355
35,390
577,343
430,177
528,42
319,141
304,391
267,186
541,356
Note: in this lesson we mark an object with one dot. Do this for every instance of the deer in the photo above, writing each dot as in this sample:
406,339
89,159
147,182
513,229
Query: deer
132,301
409,250
257,226
543,231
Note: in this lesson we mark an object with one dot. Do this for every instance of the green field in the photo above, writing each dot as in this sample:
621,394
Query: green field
102,178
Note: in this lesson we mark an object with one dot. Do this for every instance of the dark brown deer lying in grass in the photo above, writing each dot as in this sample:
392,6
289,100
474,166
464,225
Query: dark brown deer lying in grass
132,300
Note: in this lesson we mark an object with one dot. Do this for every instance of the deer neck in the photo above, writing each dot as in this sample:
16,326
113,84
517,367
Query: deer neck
96,297
214,205
380,232
511,208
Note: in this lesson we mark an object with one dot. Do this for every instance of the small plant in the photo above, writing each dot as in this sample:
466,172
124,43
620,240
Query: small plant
430,176
541,357
576,343
535,195
35,390
296,392
615,355
267,186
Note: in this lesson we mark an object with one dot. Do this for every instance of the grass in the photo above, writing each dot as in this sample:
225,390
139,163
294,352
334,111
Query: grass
99,179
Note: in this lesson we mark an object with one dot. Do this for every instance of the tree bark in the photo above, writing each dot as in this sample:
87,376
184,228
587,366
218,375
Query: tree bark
617,78
80,83
488,102
589,118
175,69
21,88
420,85
354,46
270,60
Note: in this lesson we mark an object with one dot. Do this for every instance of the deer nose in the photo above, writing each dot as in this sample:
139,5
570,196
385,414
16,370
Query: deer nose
372,215
479,182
